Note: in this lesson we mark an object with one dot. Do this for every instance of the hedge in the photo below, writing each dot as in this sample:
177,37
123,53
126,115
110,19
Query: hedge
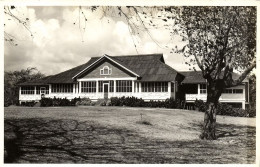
47,102
225,109
136,102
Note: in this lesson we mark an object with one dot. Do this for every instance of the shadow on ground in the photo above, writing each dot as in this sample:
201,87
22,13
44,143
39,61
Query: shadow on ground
70,141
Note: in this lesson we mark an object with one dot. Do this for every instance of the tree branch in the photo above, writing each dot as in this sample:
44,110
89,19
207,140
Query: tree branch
242,76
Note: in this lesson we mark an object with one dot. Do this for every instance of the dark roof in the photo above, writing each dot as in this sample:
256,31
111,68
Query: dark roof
149,67
41,81
196,77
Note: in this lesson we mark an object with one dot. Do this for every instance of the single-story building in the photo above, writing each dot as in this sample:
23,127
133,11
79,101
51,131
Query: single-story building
142,76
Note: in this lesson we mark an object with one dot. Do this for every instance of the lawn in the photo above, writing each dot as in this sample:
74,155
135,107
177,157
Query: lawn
123,135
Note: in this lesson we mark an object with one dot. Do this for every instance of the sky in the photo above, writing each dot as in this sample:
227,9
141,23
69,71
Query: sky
60,43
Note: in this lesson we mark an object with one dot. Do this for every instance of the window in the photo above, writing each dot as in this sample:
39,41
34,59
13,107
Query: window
88,87
172,87
154,87
61,88
100,86
229,91
233,91
111,86
237,91
203,88
123,86
38,89
105,71
27,90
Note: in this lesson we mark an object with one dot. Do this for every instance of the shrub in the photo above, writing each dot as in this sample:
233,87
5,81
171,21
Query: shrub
170,103
127,101
84,101
47,102
225,109
28,103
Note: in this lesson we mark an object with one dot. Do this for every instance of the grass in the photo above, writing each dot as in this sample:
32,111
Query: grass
117,135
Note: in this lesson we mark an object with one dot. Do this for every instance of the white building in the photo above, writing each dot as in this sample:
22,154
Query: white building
142,76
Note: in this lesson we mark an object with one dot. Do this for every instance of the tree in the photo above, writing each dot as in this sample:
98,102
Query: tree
221,40
11,81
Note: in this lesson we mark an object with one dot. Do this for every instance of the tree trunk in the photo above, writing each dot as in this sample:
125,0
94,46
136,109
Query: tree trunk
209,126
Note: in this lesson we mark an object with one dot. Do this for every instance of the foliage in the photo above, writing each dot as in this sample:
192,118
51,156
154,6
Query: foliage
48,102
225,109
28,104
252,91
127,101
136,102
11,81
85,102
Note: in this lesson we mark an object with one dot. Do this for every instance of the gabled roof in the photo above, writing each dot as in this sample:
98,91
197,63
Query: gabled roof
111,59
148,67
196,77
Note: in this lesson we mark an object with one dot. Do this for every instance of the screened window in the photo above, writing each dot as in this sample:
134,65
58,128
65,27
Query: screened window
39,88
237,91
203,88
123,86
62,88
233,91
154,87
100,86
27,90
172,87
105,71
229,91
111,86
88,87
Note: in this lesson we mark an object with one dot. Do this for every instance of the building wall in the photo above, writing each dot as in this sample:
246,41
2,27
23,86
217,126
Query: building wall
116,72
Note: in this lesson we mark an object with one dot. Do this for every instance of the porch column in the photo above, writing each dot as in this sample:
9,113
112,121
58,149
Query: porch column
199,91
49,90
169,89
79,87
34,90
114,88
74,89
140,89
133,87
243,105
174,89
20,93
97,87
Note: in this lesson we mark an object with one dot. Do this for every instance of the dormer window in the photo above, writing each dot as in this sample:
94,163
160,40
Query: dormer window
105,71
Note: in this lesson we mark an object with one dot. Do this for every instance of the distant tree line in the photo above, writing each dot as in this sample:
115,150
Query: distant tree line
12,79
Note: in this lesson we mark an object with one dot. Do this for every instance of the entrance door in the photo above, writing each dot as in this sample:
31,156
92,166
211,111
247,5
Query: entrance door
42,92
105,90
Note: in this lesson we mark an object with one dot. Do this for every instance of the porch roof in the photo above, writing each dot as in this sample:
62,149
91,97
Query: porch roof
196,77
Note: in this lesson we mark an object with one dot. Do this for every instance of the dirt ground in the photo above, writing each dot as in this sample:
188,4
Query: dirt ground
123,135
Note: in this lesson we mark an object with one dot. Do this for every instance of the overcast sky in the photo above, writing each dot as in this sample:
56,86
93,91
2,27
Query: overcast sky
58,44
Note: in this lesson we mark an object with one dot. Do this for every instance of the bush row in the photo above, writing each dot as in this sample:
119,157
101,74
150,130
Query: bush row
46,102
136,102
225,109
